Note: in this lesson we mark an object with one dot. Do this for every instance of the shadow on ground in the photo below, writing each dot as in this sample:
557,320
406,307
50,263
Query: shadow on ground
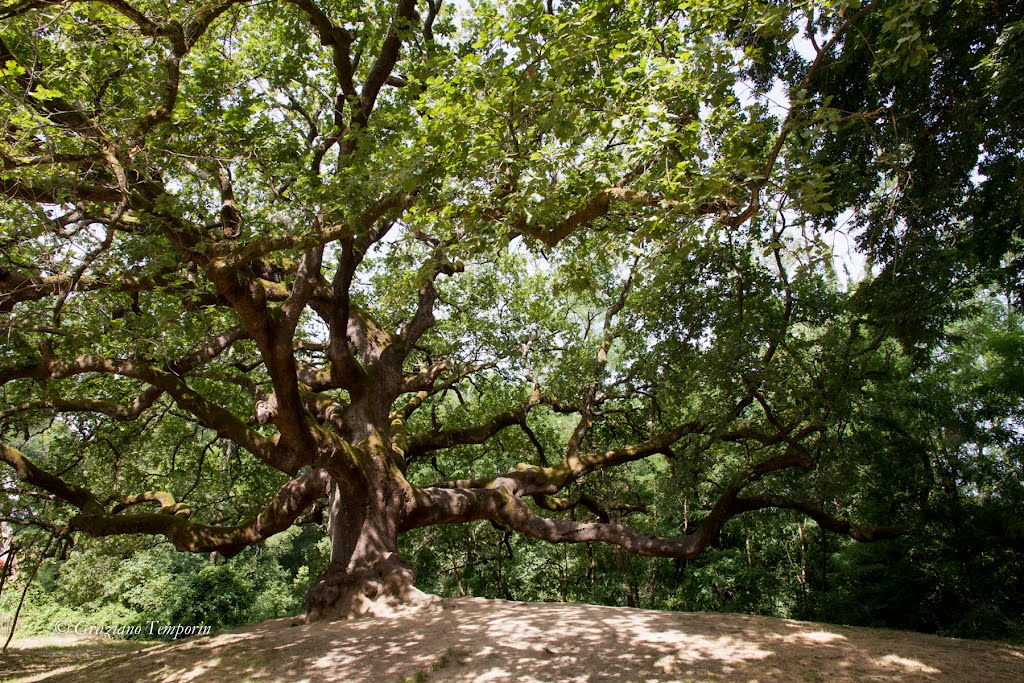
490,640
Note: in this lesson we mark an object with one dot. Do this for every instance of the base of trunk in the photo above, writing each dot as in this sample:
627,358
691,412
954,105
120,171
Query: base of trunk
385,588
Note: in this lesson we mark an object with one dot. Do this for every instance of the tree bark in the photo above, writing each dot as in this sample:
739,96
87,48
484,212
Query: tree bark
366,576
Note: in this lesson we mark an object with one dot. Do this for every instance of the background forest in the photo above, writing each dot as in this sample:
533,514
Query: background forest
729,246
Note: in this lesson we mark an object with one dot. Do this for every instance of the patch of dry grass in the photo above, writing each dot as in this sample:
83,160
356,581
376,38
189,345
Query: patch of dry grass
33,659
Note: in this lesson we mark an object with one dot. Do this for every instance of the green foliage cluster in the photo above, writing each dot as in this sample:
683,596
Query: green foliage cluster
134,582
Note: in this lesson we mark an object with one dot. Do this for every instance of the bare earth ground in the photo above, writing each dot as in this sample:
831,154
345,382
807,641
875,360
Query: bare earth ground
491,640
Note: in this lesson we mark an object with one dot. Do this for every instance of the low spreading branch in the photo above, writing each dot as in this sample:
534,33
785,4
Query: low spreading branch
172,520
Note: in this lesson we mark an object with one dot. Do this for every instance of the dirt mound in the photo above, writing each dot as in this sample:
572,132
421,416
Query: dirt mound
493,640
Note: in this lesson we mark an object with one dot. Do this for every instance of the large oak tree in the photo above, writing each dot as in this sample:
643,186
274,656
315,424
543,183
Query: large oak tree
352,244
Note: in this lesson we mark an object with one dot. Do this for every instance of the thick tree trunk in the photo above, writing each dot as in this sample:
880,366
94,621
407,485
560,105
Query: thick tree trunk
366,575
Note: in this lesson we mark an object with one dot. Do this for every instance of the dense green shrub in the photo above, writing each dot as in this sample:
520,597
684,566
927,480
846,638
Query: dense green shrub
128,583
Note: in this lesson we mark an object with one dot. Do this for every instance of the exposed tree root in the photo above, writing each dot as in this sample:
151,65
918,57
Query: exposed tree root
385,589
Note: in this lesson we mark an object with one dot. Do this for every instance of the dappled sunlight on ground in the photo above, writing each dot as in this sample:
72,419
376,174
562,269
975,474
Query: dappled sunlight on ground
894,662
486,640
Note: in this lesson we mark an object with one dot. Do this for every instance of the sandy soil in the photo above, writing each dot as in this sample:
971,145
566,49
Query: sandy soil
492,640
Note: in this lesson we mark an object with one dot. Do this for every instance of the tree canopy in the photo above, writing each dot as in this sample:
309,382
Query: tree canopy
402,264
